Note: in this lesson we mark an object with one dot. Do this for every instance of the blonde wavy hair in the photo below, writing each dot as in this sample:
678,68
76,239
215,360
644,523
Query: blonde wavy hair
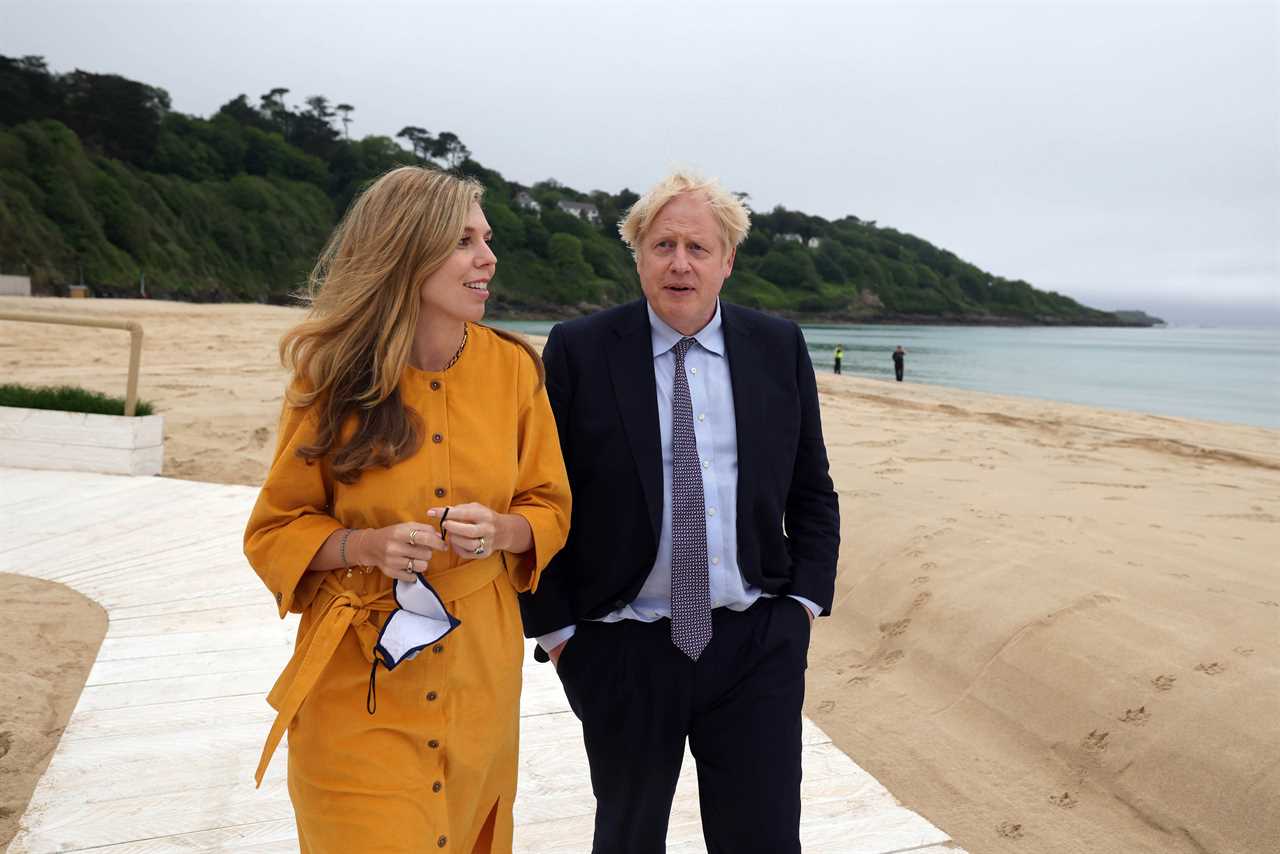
731,214
347,357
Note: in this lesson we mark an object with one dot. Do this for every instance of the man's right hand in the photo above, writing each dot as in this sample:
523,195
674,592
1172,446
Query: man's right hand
554,655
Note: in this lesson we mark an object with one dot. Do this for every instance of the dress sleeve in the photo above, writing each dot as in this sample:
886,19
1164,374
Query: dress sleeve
542,486
291,519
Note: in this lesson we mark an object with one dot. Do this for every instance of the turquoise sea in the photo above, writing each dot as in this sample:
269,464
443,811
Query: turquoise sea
1209,373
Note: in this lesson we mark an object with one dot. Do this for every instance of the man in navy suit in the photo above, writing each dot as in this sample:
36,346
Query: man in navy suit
704,539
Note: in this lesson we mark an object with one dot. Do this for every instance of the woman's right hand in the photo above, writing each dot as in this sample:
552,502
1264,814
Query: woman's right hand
390,550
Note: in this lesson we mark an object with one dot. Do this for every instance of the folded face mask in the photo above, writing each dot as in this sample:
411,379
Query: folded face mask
419,621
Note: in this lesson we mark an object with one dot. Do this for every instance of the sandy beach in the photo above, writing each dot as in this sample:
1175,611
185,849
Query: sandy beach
1057,628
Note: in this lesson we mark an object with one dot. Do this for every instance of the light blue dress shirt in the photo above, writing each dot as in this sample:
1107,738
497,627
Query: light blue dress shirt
715,429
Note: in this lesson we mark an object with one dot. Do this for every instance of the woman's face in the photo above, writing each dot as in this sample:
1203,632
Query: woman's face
460,286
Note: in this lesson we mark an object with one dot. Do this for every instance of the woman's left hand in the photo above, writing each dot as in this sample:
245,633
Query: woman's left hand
472,530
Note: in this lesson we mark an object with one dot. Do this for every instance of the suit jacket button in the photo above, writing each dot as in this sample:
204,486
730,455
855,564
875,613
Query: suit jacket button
279,598
439,492
619,604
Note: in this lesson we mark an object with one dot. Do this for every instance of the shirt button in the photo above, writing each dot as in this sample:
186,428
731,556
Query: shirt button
437,438
702,416
433,744
431,696
436,786
711,511
442,841
706,464
439,492
715,561
435,385
437,649
693,370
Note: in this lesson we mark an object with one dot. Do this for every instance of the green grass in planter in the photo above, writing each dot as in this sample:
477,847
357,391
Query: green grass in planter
67,398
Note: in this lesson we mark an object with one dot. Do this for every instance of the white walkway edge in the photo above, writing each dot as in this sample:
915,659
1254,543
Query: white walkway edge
160,751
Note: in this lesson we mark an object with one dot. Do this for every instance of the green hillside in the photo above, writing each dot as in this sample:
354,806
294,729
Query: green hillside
100,179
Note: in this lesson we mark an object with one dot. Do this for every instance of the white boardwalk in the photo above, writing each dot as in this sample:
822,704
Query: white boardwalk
160,751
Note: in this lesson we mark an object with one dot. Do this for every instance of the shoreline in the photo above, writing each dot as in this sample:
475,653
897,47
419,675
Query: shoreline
501,312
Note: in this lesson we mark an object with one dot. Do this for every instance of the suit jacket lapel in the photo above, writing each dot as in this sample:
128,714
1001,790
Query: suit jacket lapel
630,357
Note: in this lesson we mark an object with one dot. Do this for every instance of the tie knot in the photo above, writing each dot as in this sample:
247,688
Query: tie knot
682,347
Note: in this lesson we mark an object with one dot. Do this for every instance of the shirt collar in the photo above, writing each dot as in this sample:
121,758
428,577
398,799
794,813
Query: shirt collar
709,337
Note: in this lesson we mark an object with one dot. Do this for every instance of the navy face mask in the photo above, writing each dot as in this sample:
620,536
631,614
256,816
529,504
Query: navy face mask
419,621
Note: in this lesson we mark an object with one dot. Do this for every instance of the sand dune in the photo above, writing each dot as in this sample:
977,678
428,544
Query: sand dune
1057,627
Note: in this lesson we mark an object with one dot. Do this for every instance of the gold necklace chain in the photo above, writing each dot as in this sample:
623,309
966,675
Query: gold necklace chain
457,354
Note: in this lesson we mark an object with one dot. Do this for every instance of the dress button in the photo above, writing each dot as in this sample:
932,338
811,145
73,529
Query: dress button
437,649
442,841
433,744
431,696
439,492
435,385
437,438
436,787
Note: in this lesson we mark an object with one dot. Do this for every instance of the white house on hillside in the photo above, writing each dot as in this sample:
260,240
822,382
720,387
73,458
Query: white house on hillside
528,202
582,210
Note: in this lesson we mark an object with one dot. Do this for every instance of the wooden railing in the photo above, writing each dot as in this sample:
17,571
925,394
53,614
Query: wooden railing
133,327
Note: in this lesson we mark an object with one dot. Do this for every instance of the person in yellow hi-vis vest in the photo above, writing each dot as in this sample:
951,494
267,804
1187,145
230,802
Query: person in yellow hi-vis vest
417,487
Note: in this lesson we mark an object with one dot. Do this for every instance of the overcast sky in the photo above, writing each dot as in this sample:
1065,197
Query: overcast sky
1125,154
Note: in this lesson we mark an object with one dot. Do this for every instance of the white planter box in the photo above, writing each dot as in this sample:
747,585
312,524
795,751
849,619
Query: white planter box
77,441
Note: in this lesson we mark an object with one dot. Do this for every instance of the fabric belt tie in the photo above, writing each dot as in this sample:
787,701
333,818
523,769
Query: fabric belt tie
338,609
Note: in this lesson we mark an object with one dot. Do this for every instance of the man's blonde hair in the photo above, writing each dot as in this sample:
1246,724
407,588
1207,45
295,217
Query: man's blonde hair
730,213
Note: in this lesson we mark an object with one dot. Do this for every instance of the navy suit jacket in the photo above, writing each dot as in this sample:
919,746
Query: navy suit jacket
601,385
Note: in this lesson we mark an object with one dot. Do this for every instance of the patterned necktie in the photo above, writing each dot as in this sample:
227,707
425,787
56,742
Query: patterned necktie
690,586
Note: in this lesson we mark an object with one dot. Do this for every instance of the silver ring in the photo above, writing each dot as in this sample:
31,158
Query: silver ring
479,549
413,532
409,568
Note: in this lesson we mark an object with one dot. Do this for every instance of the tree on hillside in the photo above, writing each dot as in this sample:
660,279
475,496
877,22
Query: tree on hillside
449,148
274,109
345,110
117,116
420,139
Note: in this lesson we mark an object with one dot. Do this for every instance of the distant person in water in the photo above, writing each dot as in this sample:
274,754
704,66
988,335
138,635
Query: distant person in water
839,357
899,355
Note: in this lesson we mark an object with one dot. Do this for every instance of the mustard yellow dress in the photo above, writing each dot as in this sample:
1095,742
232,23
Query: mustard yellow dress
434,767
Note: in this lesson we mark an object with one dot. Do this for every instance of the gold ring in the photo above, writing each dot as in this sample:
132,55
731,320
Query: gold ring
413,532
409,568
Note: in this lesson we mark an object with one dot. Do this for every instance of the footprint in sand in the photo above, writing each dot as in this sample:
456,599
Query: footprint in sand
921,599
1244,650
1064,800
891,659
858,681
1164,682
1009,830
1137,716
920,579
892,630
1213,668
1269,603
6,742
1095,742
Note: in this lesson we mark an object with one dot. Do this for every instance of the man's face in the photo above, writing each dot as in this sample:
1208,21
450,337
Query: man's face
683,262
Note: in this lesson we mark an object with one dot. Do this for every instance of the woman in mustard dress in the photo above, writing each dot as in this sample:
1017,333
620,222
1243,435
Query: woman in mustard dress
403,410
